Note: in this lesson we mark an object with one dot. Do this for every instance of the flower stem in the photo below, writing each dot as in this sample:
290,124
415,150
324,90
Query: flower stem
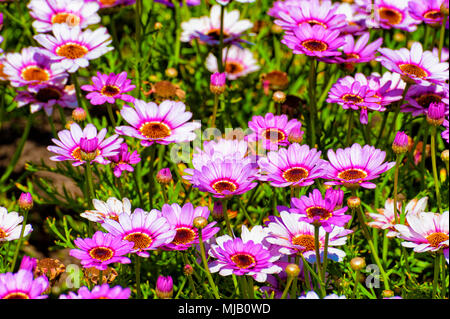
397,166
138,54
312,101
152,177
317,248
286,289
294,283
79,97
355,288
220,59
137,270
19,242
226,217
437,269
325,256
349,129
176,11
433,163
205,265
111,114
441,37
216,104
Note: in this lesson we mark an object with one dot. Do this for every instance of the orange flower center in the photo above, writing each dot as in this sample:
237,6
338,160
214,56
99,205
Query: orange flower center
352,174
315,211
390,15
352,98
426,99
72,50
35,73
295,174
140,240
274,135
433,14
224,185
110,90
155,130
436,238
412,69
313,22
101,253
108,2
184,235
243,260
68,18
233,67
315,45
215,34
47,94
16,295
2,234
306,241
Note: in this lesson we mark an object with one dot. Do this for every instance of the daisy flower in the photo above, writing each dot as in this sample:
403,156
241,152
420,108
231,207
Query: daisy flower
416,66
428,11
182,220
237,62
282,6
388,14
356,166
425,232
272,130
207,29
385,218
46,96
123,160
22,285
112,208
314,295
162,124
71,12
420,97
224,179
10,226
323,211
248,255
146,231
296,166
355,93
99,292
72,48
101,250
32,66
315,41
293,236
313,12
355,19
79,145
109,88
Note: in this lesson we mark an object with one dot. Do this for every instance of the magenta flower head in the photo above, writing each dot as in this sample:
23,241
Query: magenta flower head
72,48
420,97
271,130
145,230
109,88
25,201
123,160
217,82
436,114
99,292
28,263
416,66
101,250
356,166
400,144
84,145
162,124
315,41
428,11
181,220
249,255
296,166
22,285
164,287
164,176
321,211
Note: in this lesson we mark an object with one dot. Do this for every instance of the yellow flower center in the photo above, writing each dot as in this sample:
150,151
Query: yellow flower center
72,50
155,130
140,240
243,260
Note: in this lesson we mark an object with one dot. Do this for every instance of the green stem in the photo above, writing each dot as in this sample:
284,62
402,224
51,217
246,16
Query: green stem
152,177
19,149
355,288
349,128
397,166
205,265
176,9
216,104
325,256
251,288
436,275
137,270
441,37
138,52
19,242
79,96
383,125
241,205
312,101
317,250
111,114
227,219
100,277
286,289
294,283
220,59
433,163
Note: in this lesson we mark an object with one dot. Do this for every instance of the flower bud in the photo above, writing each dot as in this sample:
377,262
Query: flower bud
164,176
387,294
400,144
436,114
79,114
358,263
25,201
158,26
88,148
217,212
200,222
444,156
292,270
188,270
295,135
171,72
217,83
353,202
28,263
164,287
279,97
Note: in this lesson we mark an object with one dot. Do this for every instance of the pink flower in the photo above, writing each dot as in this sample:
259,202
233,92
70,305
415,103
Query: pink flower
109,88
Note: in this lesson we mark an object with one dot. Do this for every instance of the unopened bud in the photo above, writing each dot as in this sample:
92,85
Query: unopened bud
436,113
164,176
292,270
399,37
171,72
387,293
25,201
200,222
444,8
217,212
164,287
217,84
444,156
400,144
295,135
79,114
88,148
188,270
279,97
358,263
158,26
353,202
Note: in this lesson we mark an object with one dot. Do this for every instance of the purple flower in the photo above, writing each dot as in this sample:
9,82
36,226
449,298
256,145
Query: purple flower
123,159
249,255
356,166
101,250
109,88
164,176
400,144
323,211
25,201
99,292
22,285
436,113
28,263
164,287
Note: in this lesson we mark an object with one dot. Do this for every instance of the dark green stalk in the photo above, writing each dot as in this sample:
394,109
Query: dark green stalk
227,219
312,101
397,166
152,175
441,37
433,163
111,114
19,241
205,265
137,270
436,275
79,96
220,59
